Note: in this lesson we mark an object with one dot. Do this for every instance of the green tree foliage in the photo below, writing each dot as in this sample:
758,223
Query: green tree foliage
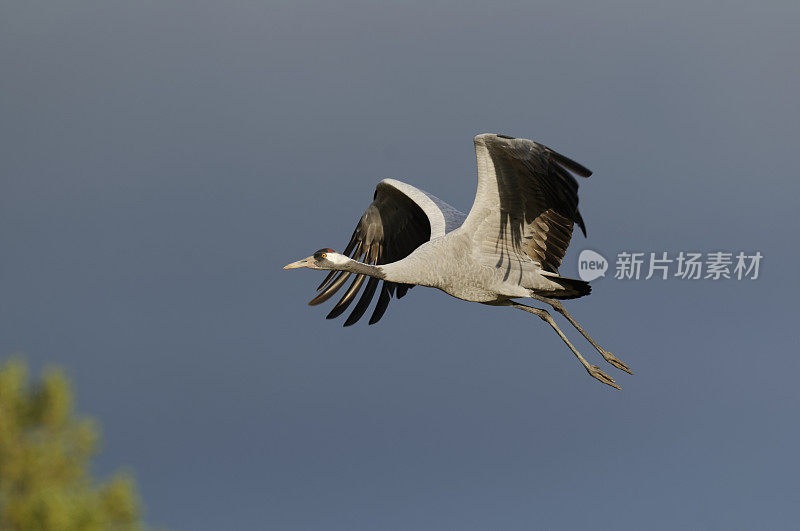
44,460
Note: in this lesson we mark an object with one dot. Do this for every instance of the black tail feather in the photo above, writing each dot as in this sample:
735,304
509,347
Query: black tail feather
573,288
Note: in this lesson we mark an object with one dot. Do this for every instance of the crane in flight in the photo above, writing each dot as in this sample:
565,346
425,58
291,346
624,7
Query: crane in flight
509,246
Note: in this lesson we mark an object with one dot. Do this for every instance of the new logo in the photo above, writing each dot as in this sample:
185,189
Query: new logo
591,265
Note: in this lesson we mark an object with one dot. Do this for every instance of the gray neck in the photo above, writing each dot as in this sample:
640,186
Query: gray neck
394,272
361,268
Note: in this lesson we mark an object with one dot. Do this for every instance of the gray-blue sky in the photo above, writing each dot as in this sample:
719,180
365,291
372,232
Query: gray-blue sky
162,160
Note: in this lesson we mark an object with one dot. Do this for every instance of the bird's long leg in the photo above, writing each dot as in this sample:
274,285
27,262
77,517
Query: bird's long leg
609,357
593,370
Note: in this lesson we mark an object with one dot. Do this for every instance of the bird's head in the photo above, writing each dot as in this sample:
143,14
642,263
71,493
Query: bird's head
322,259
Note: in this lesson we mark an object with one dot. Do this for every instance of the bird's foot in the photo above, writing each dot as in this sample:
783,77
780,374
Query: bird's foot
615,361
595,372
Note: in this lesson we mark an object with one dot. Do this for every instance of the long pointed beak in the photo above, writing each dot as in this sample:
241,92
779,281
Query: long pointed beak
300,263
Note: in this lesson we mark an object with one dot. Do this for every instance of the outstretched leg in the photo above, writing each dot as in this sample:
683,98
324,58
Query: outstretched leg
609,357
593,370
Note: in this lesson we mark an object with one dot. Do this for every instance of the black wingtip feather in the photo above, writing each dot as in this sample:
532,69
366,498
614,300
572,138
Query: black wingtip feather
331,290
363,302
579,221
328,277
347,298
571,165
380,307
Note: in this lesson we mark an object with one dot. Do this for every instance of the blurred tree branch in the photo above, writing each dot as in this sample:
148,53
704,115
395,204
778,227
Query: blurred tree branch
45,451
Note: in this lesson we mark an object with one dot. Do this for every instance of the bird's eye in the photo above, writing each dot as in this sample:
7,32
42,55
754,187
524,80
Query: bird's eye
324,255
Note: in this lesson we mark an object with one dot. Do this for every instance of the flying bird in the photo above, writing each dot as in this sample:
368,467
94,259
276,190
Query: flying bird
508,247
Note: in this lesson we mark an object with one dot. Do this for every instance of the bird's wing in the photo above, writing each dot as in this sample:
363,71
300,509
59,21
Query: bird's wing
527,200
400,219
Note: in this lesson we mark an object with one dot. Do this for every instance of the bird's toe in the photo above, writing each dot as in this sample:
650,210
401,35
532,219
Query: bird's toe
616,362
595,372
